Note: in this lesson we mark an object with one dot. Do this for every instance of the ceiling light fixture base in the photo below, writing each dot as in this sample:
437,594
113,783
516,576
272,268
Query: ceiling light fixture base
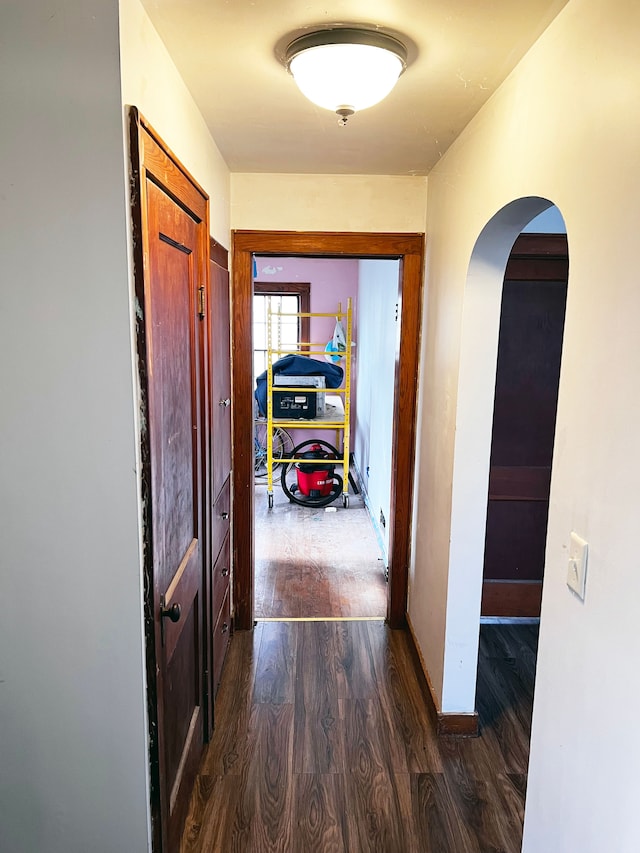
344,113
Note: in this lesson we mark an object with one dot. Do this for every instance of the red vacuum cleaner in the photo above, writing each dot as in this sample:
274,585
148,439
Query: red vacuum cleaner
315,479
316,483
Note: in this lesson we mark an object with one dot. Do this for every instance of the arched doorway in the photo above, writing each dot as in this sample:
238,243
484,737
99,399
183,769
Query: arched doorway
474,421
524,413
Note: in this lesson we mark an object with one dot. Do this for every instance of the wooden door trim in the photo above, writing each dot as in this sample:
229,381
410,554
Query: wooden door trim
218,254
409,249
150,158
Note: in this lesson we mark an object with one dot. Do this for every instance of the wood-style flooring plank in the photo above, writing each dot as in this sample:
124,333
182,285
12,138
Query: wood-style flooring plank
317,577
367,750
499,714
318,745
268,794
514,647
198,814
403,702
275,674
512,788
320,810
355,669
480,808
228,752
438,824
376,817
213,830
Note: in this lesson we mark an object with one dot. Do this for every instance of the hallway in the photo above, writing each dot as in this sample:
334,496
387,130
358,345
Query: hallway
322,743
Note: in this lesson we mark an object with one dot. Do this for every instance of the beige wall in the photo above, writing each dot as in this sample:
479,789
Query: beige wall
565,127
328,202
150,81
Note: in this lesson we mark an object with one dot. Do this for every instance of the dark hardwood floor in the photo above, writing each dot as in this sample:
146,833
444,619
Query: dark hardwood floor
316,563
323,744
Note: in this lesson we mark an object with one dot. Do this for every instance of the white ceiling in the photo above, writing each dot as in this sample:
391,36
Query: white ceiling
459,53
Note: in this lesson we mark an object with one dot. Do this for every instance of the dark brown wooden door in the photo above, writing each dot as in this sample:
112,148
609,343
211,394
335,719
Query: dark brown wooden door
176,477
171,226
528,369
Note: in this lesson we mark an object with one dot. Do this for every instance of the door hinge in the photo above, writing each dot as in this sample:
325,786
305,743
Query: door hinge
397,308
201,302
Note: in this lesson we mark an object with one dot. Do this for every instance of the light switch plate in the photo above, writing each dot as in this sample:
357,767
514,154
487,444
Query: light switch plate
577,570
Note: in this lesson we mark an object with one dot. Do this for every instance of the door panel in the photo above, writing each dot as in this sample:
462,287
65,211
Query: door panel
221,576
182,697
516,536
173,371
221,634
221,519
528,369
176,478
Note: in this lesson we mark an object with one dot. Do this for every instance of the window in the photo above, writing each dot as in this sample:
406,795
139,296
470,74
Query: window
292,332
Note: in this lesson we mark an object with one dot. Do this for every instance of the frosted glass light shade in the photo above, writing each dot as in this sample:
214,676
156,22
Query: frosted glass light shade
346,72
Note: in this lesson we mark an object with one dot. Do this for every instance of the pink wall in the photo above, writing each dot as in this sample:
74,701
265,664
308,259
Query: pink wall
332,281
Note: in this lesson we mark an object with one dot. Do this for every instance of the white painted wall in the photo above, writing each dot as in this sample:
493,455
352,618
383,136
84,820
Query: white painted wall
328,202
73,758
526,143
151,82
376,361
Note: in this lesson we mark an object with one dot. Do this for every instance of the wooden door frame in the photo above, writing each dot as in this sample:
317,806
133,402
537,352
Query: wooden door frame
409,250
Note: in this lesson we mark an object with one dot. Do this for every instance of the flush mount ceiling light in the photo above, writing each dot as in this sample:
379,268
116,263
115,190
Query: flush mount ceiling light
346,69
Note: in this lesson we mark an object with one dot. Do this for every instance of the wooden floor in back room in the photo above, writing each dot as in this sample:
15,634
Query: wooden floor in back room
323,744
316,562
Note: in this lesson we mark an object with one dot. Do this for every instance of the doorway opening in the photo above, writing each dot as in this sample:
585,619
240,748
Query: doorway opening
521,269
407,250
532,313
318,555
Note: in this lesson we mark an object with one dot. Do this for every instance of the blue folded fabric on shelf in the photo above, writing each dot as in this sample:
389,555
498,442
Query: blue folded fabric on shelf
298,365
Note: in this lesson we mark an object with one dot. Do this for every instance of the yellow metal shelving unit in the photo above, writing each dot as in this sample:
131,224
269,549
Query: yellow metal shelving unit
338,418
